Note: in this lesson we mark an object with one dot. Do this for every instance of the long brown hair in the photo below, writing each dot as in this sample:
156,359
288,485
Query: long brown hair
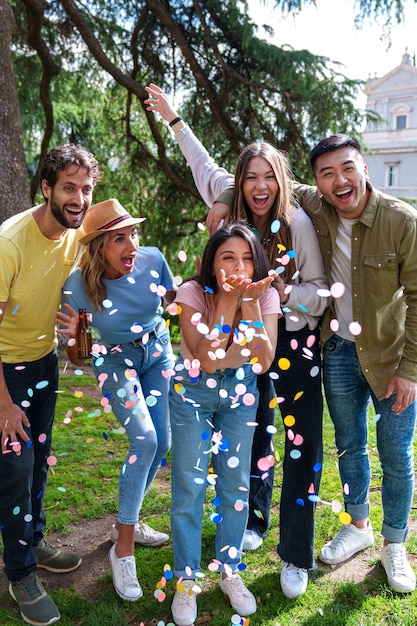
282,209
91,263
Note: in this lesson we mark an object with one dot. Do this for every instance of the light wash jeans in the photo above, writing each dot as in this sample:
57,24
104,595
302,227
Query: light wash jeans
348,395
197,411
138,394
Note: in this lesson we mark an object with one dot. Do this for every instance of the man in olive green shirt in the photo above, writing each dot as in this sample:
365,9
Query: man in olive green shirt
369,339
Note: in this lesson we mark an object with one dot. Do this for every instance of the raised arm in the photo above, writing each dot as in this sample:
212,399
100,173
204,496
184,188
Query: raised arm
210,179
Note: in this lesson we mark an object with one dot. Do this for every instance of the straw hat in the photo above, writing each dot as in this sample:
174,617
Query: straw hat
105,216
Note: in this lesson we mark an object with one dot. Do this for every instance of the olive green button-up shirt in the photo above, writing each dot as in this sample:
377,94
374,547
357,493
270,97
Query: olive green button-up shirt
384,282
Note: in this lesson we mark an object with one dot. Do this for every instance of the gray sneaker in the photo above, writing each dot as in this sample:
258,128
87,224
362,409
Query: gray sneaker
54,559
36,607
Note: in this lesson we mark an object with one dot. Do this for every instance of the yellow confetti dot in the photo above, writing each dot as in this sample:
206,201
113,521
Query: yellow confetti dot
284,364
289,420
345,518
78,394
280,246
273,403
298,395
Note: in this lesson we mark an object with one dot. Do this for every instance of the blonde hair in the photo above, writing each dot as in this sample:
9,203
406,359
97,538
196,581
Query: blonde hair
283,207
91,263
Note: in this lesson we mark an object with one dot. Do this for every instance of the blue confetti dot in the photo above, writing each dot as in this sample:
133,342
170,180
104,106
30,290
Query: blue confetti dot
208,289
300,502
317,467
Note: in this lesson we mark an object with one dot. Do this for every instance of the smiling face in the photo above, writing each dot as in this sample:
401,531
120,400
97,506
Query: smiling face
260,189
341,178
120,252
70,197
234,256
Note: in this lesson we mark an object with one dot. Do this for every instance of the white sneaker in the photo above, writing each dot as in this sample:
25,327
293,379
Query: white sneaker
348,541
144,535
293,580
184,604
251,540
400,576
240,598
125,580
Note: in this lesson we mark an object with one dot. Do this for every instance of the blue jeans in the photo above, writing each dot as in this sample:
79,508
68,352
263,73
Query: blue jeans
197,411
23,478
138,394
348,396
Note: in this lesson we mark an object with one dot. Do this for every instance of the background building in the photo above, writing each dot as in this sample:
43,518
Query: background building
392,142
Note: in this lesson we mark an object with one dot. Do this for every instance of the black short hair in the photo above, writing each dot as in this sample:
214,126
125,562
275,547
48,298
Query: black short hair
332,143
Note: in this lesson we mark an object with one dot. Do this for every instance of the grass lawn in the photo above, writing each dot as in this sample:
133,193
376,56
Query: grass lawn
82,493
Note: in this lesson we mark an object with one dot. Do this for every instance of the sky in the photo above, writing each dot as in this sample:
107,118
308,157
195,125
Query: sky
329,30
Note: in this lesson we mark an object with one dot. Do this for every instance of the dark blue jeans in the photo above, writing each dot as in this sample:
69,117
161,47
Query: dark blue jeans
348,397
23,478
302,462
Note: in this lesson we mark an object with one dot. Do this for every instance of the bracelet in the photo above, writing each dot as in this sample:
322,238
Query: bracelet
177,119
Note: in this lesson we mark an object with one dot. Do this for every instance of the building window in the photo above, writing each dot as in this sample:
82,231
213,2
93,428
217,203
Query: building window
391,175
401,122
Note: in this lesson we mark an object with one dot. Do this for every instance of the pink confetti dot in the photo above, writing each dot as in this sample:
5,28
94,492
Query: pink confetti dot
51,460
248,399
355,328
334,325
337,290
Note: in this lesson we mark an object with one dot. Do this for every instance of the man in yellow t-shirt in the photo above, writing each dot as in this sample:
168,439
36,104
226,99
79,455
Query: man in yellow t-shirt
37,249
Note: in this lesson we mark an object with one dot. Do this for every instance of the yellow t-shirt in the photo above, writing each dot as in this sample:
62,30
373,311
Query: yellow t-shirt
33,270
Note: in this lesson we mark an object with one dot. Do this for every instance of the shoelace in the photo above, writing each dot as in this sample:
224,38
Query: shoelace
128,571
398,562
344,532
147,531
295,572
237,587
33,588
184,597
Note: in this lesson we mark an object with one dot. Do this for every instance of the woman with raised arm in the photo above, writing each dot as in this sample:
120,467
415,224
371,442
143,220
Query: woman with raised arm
262,196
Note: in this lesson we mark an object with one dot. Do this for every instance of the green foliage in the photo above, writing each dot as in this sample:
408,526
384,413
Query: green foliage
231,86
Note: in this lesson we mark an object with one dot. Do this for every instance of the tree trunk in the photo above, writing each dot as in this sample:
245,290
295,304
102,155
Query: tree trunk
14,179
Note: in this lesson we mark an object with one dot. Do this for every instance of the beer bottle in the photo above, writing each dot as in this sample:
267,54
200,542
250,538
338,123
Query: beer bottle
84,335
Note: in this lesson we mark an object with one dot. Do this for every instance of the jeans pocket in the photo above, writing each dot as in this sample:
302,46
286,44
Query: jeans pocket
331,344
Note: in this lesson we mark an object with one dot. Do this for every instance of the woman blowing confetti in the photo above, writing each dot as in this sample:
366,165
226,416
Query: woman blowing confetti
228,317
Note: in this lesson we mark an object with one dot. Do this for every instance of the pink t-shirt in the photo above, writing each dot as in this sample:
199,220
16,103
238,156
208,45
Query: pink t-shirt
192,294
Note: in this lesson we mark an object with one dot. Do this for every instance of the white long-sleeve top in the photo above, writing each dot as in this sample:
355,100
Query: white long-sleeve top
304,305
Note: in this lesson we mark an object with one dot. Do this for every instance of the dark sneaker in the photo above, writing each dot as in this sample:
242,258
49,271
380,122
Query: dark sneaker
36,607
54,559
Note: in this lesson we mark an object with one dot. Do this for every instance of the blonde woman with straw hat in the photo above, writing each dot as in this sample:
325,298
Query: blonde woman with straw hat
122,286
